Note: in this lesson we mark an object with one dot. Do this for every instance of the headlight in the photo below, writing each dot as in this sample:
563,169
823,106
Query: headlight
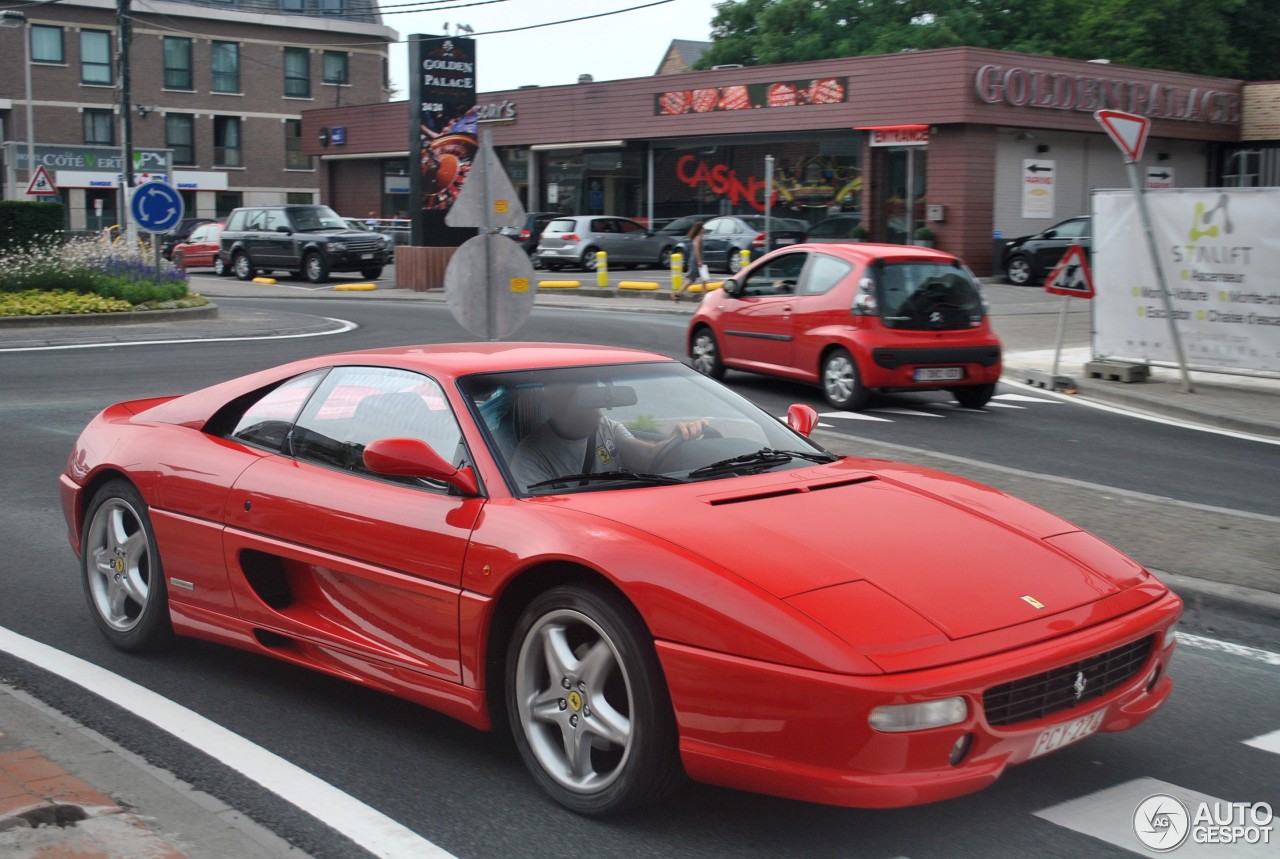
338,247
1170,635
919,717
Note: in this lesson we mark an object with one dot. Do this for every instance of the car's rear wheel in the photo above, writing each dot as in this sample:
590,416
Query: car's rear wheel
705,353
841,382
1018,270
121,570
664,258
589,258
974,396
242,266
177,260
314,268
552,266
371,273
588,705
219,267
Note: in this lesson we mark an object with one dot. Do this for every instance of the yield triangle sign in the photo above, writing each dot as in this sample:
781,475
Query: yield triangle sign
1071,276
1128,130
41,184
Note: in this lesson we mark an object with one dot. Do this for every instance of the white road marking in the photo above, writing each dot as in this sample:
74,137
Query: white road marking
1108,816
994,405
853,416
367,827
1267,742
1023,398
346,326
1243,651
895,410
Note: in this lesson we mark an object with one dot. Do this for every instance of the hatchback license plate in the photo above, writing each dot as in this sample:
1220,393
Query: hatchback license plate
1063,735
939,374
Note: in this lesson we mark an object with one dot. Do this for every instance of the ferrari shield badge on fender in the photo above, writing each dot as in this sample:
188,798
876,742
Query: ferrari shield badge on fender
1032,601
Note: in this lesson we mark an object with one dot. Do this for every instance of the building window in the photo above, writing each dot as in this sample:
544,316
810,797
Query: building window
177,63
298,6
226,201
332,7
293,157
226,142
335,67
180,136
226,67
299,198
99,127
95,57
297,73
386,74
46,44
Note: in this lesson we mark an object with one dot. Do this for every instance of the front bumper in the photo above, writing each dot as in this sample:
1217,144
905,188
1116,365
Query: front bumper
804,734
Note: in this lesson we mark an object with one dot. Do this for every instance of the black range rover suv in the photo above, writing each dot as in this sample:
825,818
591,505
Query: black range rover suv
310,240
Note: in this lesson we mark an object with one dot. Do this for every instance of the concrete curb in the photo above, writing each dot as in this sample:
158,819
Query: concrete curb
177,314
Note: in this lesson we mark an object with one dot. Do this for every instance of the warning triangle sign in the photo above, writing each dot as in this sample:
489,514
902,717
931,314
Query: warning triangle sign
1128,130
41,184
1071,276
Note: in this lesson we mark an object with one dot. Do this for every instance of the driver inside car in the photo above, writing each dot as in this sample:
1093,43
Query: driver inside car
577,438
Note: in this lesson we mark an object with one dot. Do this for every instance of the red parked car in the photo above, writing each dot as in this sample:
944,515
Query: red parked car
200,250
853,318
637,571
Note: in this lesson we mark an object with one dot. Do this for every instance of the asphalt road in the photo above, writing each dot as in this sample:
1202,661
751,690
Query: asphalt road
466,791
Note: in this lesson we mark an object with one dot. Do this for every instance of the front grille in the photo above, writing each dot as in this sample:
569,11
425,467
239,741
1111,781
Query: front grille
1042,695
363,246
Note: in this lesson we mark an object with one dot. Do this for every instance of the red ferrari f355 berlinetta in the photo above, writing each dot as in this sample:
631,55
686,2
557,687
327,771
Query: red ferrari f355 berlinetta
640,572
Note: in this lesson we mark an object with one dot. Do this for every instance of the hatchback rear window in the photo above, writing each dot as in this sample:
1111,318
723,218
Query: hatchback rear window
565,225
922,296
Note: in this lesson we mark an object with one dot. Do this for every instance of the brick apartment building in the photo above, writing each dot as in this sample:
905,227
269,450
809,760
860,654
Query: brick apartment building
218,88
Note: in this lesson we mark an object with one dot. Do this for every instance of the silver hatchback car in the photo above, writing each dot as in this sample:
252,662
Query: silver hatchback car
574,240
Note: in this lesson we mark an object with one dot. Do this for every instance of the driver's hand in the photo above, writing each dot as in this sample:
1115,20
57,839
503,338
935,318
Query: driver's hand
687,430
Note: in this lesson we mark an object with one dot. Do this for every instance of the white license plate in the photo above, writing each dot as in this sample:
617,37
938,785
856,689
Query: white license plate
366,256
939,374
1063,735
785,242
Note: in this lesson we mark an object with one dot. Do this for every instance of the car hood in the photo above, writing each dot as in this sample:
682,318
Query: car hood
966,558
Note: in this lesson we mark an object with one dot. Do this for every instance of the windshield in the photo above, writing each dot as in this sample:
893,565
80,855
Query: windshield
317,218
927,296
588,429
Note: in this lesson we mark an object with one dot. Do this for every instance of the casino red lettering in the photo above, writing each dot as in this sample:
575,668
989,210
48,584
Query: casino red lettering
722,180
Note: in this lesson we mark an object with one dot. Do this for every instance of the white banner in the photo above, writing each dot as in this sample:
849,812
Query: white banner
1220,251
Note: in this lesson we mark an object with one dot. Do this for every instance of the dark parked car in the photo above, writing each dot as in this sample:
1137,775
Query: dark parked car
839,228
309,240
1029,258
679,227
534,224
179,234
726,237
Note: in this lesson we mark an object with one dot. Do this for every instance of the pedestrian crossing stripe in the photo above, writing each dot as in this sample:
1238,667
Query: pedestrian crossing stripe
1267,742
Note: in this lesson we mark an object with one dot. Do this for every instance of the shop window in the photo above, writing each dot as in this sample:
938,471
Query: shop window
226,201
180,136
177,63
226,142
294,157
226,67
297,73
99,127
301,198
335,67
95,57
46,44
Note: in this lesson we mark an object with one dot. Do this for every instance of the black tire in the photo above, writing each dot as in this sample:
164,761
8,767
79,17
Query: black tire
589,258
1018,270
242,266
121,571
664,258
219,267
841,381
704,353
371,273
615,709
315,268
974,396
551,266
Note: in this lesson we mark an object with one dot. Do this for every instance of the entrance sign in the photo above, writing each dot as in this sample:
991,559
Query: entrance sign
1128,130
41,184
1038,187
897,135
1071,276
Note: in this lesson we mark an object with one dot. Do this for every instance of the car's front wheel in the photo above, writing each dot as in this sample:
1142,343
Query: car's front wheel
121,570
974,396
1018,270
841,382
587,702
735,261
705,353
178,260
371,273
242,266
314,268
664,258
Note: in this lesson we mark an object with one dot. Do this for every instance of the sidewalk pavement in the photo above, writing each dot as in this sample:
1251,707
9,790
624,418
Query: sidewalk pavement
68,793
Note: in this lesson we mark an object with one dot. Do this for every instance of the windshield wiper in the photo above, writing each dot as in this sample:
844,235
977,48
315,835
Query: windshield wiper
623,475
760,459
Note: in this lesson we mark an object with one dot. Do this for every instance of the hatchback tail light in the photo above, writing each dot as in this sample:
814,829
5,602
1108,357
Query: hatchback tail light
570,237
758,241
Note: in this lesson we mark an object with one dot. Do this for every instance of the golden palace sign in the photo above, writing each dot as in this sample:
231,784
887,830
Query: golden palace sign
1021,87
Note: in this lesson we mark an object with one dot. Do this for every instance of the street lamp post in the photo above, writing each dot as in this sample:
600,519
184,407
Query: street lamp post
14,18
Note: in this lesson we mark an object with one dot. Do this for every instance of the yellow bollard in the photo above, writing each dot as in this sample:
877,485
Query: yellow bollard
677,271
744,256
602,269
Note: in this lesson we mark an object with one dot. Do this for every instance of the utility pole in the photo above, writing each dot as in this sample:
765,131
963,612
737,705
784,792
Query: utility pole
124,33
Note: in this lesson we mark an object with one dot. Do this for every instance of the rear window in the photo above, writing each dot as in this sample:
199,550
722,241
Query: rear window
564,225
926,296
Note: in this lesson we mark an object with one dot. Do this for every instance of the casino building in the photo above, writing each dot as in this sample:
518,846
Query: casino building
973,144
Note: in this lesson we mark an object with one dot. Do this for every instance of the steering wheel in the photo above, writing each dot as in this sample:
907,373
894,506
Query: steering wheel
668,449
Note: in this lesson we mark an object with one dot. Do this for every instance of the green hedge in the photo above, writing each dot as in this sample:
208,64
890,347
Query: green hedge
22,223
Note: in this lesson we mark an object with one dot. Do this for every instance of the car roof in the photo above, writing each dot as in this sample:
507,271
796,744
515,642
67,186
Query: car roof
865,252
